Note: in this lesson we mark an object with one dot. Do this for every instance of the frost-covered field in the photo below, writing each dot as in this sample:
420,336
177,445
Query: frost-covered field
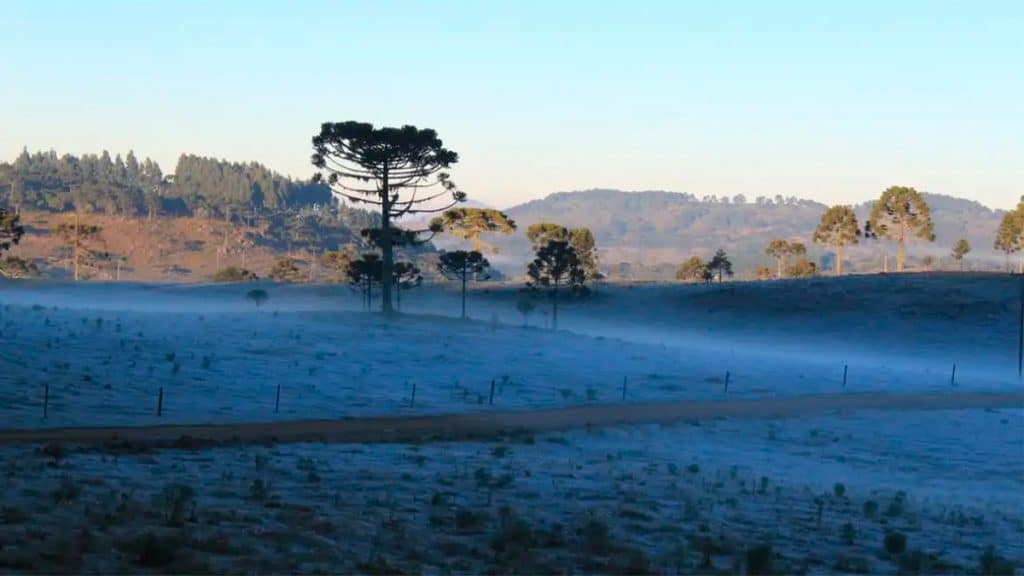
823,492
106,350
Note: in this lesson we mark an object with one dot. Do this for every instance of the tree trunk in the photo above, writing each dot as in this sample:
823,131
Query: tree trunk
961,265
369,294
476,242
76,248
554,307
387,250
778,268
901,248
463,293
839,259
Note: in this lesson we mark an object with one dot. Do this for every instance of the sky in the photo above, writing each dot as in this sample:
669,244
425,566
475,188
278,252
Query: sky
833,101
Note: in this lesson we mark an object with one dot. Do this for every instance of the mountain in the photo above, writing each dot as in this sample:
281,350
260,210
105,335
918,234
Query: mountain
660,229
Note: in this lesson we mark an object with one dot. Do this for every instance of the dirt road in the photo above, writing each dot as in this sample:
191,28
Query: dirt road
494,424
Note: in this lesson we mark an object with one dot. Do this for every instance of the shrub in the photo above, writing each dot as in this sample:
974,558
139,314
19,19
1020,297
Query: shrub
596,537
258,296
839,489
154,551
760,560
870,508
234,274
992,564
849,533
895,543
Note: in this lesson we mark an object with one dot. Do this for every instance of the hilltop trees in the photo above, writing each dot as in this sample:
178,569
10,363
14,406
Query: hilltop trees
462,265
780,250
1010,234
337,262
470,223
838,228
286,270
719,266
692,270
901,214
393,169
961,249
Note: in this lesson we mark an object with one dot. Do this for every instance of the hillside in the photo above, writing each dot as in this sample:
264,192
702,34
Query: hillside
657,227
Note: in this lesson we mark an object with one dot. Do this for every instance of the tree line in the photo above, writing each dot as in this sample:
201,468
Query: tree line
900,215
100,183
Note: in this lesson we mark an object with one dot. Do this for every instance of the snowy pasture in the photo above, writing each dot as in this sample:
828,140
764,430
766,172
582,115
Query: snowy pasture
106,351
817,495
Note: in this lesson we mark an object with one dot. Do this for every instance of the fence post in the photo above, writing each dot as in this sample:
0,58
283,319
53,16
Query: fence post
952,379
46,400
277,399
846,368
726,381
624,378
160,403
412,399
492,392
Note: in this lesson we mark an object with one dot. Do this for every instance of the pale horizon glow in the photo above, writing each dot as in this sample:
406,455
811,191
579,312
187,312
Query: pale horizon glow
822,100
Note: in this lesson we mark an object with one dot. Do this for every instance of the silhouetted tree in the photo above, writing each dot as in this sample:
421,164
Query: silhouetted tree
463,266
406,275
80,239
258,296
1010,234
691,270
720,265
838,228
286,270
363,273
902,214
525,307
556,266
960,250
11,230
470,223
387,168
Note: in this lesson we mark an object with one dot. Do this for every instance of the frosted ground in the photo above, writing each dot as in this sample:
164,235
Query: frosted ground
821,491
106,350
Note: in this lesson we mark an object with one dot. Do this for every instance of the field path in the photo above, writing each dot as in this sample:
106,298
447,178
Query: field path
495,424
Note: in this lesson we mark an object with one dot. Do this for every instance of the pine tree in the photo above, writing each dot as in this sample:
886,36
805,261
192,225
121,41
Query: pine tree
960,250
838,228
902,214
463,266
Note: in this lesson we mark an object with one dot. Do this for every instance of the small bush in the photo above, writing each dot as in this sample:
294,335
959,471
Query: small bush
596,536
849,533
839,489
895,543
154,551
760,560
870,508
992,564
234,274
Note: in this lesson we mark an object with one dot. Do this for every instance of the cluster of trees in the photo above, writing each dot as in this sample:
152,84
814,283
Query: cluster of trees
11,232
1010,235
129,187
695,269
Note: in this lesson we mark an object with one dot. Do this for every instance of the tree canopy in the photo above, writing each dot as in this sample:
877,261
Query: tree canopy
838,228
1010,234
463,266
470,223
719,265
399,171
901,214
961,249
691,270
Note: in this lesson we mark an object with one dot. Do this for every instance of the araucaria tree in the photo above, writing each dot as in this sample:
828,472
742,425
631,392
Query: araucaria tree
401,171
470,223
902,214
463,266
556,267
838,228
720,265
961,249
1010,235
78,237
363,273
780,250
581,240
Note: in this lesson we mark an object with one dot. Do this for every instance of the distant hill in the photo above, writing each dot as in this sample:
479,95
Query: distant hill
657,227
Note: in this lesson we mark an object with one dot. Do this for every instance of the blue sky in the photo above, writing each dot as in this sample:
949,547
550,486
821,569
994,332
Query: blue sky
827,100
